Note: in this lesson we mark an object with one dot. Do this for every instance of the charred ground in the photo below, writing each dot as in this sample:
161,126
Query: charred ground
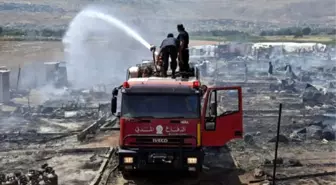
65,128
71,129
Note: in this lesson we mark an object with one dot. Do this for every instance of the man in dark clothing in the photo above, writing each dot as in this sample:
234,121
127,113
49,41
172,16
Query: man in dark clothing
270,69
183,39
246,71
168,49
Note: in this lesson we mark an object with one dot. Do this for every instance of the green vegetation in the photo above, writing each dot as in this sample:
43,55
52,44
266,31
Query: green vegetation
292,34
19,34
299,32
324,39
306,34
45,32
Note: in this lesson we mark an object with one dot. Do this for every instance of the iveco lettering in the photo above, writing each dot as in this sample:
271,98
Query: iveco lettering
159,140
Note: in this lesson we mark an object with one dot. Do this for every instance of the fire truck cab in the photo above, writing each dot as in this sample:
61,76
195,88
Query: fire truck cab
165,122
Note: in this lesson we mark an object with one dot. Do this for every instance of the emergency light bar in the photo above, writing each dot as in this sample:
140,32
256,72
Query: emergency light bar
126,85
196,84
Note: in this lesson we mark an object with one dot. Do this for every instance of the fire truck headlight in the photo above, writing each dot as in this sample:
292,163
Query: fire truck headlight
128,160
192,160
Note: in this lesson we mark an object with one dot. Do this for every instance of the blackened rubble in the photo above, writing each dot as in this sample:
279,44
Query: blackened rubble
304,83
56,116
44,175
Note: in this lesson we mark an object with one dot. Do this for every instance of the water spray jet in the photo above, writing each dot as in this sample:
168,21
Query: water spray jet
88,64
117,23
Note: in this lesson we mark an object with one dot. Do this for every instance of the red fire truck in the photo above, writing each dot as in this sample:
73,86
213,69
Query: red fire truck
165,122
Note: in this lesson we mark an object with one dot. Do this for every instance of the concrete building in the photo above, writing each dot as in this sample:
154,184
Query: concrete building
51,69
4,85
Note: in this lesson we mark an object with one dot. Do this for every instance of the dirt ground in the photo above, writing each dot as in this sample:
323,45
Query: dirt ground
278,12
20,53
233,164
66,165
236,163
23,149
14,53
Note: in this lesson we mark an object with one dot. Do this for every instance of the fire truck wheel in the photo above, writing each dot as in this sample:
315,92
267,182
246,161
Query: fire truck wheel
195,174
126,174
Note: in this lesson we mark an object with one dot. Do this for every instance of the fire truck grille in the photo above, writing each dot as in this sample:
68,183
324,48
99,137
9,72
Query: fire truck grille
162,140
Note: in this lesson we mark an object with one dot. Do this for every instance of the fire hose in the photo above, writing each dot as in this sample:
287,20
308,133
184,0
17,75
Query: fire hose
153,49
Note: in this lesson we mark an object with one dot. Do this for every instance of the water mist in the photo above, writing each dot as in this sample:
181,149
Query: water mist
99,48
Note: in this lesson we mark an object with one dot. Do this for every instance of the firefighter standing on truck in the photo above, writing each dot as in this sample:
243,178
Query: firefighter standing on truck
168,49
183,39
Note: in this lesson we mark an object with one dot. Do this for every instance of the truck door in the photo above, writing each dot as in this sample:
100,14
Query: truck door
222,115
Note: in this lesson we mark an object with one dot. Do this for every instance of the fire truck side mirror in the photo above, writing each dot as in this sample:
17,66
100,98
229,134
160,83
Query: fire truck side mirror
118,114
114,105
213,109
204,88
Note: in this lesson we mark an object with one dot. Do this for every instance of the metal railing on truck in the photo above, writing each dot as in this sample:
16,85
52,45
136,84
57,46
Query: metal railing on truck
194,72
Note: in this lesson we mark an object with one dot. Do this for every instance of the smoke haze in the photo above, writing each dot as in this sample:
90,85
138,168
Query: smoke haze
99,52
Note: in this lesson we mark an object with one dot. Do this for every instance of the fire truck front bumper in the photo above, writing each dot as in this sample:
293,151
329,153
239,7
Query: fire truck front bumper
161,159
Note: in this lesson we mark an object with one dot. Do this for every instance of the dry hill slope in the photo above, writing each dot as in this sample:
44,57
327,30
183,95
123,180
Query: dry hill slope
275,11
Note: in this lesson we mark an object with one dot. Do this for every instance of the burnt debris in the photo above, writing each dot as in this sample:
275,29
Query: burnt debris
44,176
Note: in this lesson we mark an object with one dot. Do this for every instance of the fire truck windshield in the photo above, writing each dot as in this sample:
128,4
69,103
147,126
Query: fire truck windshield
160,106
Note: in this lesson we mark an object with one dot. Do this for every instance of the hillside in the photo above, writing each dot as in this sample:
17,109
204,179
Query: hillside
209,14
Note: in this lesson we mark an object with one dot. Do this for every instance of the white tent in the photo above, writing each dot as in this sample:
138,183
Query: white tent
290,46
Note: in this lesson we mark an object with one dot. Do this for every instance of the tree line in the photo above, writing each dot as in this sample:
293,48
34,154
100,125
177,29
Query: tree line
42,32
48,32
298,31
59,32
219,33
